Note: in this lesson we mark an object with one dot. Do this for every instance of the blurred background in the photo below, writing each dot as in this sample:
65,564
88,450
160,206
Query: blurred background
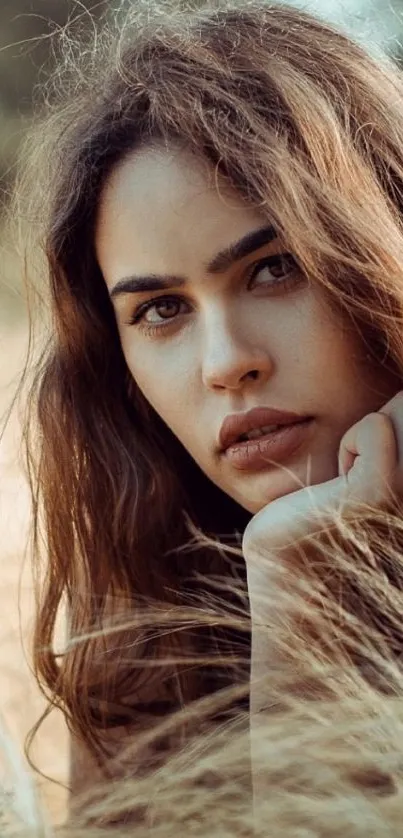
27,29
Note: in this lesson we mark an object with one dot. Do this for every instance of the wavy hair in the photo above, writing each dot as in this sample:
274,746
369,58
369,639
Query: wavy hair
308,127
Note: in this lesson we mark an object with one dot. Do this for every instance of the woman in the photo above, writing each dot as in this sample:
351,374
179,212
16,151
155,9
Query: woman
222,195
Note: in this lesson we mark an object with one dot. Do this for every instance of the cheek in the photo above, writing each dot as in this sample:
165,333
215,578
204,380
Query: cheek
309,349
166,385
329,347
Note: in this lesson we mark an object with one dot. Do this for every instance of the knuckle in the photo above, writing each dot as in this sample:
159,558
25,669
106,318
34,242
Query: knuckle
378,418
379,423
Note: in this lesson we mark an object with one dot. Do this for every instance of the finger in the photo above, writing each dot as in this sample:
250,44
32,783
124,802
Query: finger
287,520
394,409
368,457
283,523
392,404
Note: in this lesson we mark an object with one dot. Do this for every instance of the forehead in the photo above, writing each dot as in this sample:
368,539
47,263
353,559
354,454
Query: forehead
173,176
162,204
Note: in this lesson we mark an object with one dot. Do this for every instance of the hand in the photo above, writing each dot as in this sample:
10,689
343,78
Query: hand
370,475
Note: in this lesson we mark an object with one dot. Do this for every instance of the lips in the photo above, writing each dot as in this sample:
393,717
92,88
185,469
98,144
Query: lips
238,424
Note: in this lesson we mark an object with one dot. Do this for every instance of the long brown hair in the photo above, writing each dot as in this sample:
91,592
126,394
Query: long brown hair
305,125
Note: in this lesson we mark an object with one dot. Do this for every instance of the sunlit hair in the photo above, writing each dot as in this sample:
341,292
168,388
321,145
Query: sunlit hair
306,127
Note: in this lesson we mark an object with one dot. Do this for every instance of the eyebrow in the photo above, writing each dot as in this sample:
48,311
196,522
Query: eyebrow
219,264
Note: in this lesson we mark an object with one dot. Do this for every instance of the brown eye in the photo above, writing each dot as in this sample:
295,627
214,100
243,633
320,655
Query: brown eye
275,271
165,309
282,264
158,311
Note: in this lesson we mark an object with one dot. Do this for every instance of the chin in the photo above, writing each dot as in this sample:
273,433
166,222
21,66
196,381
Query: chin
269,487
258,502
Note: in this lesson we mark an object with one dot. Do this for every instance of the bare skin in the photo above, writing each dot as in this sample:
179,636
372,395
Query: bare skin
253,333
370,476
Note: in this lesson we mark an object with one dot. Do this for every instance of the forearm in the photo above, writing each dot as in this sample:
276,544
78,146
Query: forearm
284,643
263,702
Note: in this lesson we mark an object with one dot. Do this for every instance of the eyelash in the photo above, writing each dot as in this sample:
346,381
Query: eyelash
138,315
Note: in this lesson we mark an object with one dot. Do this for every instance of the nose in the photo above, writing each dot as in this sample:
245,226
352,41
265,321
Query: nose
229,361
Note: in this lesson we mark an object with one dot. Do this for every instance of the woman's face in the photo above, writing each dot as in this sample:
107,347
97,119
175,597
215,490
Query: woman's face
208,332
